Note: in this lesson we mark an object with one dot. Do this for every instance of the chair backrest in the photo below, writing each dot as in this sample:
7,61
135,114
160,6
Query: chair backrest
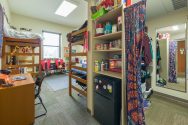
38,83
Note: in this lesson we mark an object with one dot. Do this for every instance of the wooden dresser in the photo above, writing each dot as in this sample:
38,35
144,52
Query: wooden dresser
17,103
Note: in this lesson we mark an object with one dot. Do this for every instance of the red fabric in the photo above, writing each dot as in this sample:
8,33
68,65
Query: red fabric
86,46
59,62
48,63
43,62
129,2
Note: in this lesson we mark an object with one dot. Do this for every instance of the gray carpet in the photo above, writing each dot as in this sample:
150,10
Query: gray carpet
57,82
63,109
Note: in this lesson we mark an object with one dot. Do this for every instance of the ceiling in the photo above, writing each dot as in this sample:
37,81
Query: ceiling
44,10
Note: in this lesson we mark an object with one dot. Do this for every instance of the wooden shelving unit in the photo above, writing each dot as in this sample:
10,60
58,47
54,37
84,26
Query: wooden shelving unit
111,74
29,60
72,65
111,36
105,54
109,50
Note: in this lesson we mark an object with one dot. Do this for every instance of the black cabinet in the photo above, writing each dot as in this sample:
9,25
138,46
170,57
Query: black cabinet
107,100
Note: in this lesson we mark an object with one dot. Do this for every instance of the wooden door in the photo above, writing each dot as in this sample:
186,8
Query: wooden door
181,58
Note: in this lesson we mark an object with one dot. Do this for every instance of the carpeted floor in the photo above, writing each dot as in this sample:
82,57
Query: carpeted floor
180,85
65,110
58,82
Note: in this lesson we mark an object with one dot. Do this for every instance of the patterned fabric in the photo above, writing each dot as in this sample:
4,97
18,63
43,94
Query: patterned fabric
134,35
147,50
172,61
1,29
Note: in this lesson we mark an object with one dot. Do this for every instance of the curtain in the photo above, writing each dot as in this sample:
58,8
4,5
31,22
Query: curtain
134,34
172,61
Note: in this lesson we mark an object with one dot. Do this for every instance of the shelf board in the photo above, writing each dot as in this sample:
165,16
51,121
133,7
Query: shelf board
78,54
17,66
35,41
78,43
111,36
78,78
111,15
111,74
24,54
9,43
84,93
79,31
79,68
110,50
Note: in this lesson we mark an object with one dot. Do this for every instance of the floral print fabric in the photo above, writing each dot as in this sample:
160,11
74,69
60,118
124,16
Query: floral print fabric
134,36
172,61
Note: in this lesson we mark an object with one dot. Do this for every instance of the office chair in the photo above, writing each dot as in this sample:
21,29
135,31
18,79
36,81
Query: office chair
38,84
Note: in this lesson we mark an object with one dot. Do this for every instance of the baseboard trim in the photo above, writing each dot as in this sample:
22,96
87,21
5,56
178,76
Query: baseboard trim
173,99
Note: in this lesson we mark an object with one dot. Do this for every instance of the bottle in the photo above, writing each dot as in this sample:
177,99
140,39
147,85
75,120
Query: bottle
96,66
106,65
102,66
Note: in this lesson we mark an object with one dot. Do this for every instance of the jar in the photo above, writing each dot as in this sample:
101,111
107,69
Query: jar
106,46
99,29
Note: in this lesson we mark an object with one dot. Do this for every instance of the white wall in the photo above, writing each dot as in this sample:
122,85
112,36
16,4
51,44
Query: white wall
38,26
174,18
5,5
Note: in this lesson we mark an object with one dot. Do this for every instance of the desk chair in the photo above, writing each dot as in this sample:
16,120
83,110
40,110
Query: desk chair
38,84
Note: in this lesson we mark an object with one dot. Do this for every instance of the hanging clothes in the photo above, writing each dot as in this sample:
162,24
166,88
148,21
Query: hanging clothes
134,35
147,50
172,61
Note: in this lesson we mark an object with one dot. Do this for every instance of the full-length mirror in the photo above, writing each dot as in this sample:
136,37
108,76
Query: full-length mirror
171,57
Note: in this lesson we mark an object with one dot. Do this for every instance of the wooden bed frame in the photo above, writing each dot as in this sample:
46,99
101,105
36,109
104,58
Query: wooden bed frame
17,42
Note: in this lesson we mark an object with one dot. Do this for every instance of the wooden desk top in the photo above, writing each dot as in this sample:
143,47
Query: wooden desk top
29,80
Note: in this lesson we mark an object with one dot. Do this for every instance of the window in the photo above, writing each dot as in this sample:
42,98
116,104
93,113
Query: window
51,45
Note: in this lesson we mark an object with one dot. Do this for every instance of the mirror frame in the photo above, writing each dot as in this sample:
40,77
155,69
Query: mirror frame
186,66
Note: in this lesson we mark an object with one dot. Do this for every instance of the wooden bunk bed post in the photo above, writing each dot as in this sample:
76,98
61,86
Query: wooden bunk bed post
70,73
81,42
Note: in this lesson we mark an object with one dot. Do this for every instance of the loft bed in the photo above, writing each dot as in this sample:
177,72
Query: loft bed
79,73
20,50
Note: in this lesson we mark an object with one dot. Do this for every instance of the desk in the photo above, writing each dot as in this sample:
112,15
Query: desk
17,103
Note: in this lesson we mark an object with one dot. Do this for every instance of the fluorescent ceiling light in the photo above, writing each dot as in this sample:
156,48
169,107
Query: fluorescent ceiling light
65,8
175,27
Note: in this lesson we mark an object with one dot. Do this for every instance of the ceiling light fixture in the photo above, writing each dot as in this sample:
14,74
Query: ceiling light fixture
175,27
66,8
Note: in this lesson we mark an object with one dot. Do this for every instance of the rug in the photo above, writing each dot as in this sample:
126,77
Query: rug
58,82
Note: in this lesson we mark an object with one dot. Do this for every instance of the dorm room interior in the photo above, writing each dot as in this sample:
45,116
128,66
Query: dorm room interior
93,62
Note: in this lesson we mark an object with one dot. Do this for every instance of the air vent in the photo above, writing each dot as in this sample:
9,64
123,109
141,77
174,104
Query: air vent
178,4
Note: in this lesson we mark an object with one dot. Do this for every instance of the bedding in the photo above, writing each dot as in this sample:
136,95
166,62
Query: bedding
21,34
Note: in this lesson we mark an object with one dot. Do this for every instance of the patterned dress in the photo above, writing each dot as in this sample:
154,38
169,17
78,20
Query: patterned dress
134,36
172,61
